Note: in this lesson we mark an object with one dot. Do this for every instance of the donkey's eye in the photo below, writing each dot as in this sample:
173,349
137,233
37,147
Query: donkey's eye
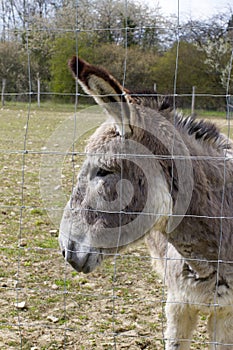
103,172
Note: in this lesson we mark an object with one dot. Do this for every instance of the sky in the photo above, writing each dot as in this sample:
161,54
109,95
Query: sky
193,9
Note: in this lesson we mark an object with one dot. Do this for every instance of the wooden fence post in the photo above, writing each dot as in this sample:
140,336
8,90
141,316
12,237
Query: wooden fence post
3,91
193,101
38,90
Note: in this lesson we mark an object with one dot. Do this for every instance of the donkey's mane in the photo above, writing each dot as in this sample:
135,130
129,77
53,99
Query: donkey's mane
150,99
203,131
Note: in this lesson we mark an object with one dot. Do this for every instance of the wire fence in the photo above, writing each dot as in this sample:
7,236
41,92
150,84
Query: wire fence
45,303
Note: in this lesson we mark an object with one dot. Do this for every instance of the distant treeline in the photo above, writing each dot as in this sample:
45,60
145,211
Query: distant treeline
138,45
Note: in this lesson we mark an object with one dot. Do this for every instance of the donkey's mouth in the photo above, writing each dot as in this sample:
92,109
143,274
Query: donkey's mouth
85,268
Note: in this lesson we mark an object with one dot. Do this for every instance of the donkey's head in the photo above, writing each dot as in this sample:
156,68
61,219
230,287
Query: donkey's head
122,190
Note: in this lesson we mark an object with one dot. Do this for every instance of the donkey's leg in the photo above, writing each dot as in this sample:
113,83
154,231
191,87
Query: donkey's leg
181,322
220,328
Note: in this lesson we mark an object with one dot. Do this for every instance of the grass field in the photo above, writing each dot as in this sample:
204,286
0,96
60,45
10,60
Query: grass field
44,303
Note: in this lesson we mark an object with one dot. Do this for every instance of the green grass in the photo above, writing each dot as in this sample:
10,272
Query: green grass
207,114
47,106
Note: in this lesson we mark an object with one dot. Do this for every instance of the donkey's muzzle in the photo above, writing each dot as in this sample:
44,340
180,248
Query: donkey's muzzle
76,257
81,259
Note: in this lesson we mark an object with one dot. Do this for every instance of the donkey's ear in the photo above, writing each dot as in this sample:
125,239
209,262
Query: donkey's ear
105,89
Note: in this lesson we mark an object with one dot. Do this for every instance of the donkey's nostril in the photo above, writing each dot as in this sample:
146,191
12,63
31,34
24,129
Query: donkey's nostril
64,253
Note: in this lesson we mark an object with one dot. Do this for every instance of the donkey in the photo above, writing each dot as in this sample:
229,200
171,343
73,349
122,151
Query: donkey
152,173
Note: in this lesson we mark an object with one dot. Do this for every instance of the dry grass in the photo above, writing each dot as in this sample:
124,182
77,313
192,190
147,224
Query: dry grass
44,303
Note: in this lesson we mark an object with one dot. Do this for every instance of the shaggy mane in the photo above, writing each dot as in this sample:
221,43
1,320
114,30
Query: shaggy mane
203,131
151,99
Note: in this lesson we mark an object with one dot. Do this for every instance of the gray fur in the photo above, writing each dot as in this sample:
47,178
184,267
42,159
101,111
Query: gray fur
194,258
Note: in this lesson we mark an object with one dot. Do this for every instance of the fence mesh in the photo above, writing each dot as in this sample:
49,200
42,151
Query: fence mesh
45,304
